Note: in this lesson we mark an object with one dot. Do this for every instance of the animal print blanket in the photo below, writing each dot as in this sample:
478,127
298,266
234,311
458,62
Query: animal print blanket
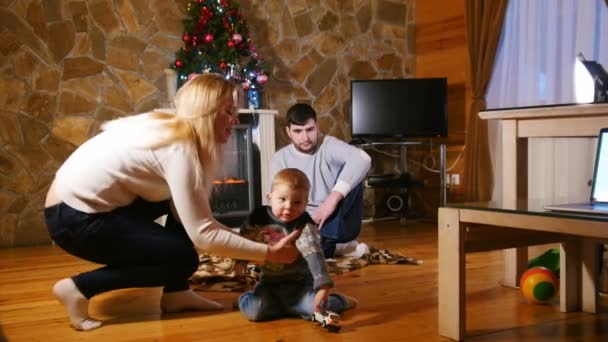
218,274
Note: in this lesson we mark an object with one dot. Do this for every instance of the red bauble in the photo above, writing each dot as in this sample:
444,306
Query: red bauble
179,63
231,43
208,38
222,65
186,38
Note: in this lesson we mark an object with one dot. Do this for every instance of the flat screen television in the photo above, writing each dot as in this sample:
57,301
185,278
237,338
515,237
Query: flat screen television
399,108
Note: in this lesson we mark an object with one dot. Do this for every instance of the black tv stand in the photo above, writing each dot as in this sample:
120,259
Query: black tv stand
404,180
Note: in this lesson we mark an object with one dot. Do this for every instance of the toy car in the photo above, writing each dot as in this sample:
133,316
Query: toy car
328,319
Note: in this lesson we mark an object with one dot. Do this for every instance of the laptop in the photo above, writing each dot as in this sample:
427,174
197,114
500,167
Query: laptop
598,203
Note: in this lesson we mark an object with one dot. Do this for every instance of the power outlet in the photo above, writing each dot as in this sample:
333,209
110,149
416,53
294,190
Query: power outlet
455,179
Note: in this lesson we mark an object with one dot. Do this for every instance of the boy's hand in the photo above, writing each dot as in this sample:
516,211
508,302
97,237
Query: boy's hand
284,251
321,298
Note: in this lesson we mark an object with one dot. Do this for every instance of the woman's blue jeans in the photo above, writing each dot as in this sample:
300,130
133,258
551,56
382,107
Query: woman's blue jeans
136,251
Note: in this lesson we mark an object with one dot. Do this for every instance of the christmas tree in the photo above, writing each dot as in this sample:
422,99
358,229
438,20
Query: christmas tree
216,39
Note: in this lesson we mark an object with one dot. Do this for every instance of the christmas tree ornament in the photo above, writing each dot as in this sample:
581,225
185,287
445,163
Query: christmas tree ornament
237,38
217,39
262,78
208,38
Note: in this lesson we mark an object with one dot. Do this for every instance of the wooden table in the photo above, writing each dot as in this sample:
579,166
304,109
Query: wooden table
477,227
519,124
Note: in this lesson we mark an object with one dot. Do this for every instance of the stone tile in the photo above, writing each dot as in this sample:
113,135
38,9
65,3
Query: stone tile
35,17
116,97
73,129
123,59
12,94
80,67
364,17
136,86
47,79
166,42
58,149
362,70
303,24
25,63
154,60
301,69
33,130
82,45
14,24
102,11
296,6
326,101
98,44
328,22
9,43
52,10
127,16
79,13
329,44
10,130
391,12
73,103
321,77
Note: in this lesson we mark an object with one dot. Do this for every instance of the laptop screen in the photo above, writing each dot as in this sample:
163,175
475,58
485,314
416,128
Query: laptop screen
600,175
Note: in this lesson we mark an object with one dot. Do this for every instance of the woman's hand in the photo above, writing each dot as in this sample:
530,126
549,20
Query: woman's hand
321,299
284,251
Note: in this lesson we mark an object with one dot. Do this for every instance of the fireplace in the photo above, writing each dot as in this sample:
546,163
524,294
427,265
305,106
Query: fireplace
233,194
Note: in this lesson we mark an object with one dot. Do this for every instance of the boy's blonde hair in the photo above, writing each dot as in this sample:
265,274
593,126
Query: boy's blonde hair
293,178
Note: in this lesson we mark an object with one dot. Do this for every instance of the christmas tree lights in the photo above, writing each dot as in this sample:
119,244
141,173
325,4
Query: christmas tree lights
217,39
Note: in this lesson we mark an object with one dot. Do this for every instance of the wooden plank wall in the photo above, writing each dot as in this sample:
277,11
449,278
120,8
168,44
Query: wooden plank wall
441,51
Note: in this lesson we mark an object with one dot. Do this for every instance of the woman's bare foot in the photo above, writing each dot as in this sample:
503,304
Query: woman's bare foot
76,304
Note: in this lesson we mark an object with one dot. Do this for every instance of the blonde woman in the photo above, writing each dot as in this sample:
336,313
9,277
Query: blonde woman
104,199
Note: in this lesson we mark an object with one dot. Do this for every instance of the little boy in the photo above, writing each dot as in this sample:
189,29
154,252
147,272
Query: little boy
301,288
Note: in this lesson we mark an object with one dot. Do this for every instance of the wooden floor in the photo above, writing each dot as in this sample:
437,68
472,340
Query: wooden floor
397,303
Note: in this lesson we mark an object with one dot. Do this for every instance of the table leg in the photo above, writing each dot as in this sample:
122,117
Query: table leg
569,298
589,274
451,270
515,264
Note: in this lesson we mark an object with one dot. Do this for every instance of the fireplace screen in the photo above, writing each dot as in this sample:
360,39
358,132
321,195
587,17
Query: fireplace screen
232,197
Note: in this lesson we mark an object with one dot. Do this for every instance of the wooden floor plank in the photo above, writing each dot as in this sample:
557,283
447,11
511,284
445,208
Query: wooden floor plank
397,303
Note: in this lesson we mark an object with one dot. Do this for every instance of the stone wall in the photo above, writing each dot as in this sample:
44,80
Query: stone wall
67,65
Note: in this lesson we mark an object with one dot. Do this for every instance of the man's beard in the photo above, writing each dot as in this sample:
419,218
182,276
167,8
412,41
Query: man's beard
310,149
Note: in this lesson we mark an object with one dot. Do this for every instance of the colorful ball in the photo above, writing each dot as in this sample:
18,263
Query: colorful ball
538,285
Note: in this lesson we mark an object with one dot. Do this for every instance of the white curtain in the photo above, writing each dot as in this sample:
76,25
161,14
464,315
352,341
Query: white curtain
535,66
538,48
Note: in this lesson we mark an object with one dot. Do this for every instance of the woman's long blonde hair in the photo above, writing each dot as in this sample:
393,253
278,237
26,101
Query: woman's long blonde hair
196,104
